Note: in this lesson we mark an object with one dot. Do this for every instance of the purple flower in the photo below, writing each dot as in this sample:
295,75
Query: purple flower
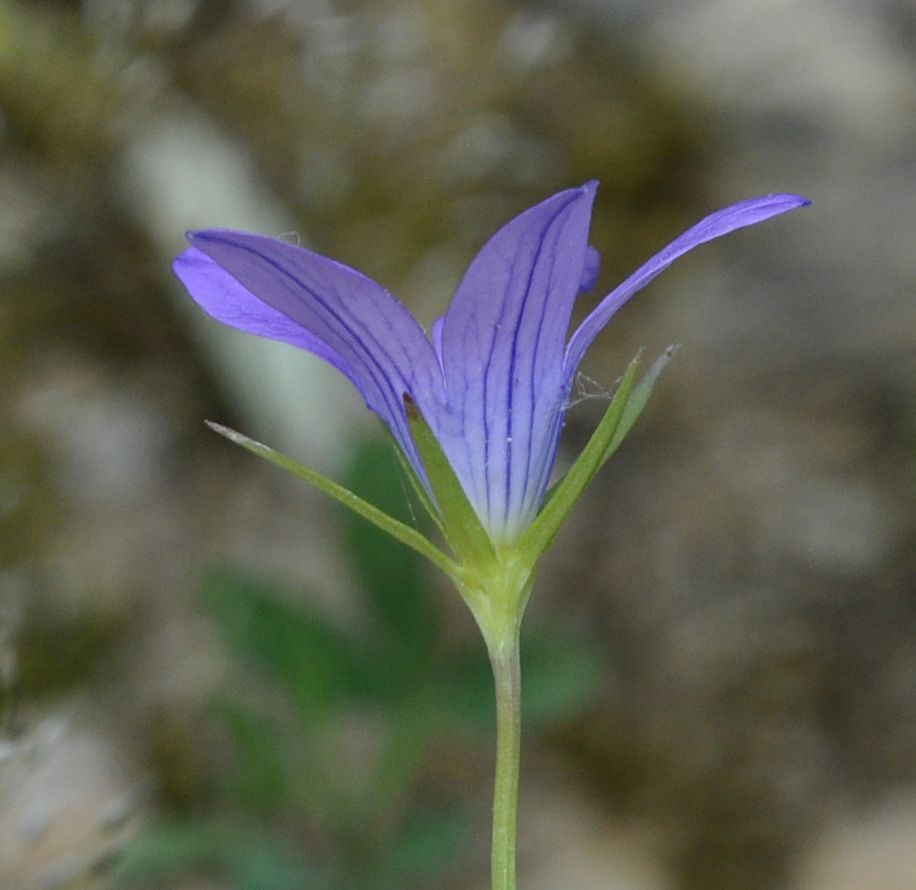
493,378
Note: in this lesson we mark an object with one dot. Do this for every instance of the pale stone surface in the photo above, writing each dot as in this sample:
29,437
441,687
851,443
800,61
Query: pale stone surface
68,800
567,842
865,850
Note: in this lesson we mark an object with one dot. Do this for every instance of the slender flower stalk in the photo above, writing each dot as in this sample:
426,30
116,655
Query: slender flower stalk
504,657
475,409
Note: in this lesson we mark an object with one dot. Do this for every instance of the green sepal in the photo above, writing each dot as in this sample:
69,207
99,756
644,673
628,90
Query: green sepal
638,400
623,412
537,537
416,484
457,518
394,527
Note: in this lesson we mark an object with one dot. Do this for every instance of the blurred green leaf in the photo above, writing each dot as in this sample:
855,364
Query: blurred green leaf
266,866
410,729
562,675
167,851
427,842
318,665
248,859
467,691
260,779
389,574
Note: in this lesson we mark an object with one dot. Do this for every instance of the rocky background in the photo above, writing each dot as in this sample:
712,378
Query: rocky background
741,575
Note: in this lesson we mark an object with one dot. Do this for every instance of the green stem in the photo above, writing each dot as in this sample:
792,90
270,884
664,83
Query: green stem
504,657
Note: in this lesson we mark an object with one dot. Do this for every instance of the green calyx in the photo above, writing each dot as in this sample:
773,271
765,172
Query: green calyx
494,579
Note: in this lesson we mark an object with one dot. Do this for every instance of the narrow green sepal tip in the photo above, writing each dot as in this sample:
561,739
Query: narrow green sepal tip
638,399
394,527
457,518
622,413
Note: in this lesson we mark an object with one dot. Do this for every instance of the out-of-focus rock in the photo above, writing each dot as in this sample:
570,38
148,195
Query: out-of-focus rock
68,800
567,841
871,849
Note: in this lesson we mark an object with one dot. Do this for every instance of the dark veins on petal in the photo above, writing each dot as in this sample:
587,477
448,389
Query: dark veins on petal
387,389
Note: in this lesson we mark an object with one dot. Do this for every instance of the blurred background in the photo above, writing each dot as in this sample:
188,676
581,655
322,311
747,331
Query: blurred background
211,678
